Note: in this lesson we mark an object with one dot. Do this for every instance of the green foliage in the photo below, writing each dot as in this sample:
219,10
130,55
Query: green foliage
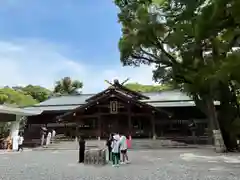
3,98
187,49
67,86
18,98
37,92
176,37
147,88
192,43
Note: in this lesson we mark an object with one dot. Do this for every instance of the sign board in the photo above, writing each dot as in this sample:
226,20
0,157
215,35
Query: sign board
113,107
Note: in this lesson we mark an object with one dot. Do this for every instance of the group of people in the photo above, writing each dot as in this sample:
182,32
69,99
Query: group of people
47,136
13,141
117,148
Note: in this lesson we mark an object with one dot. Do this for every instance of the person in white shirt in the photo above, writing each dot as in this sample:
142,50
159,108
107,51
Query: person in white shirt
53,136
123,148
20,142
115,151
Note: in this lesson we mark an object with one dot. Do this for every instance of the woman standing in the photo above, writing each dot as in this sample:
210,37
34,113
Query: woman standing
115,151
123,148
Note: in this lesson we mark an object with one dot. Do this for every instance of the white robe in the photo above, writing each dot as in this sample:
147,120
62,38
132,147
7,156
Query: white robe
48,138
15,143
53,133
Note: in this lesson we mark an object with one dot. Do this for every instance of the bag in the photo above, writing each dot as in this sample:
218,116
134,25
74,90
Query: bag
128,143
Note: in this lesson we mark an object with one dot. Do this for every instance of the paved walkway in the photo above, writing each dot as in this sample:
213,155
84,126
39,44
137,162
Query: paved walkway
170,164
13,152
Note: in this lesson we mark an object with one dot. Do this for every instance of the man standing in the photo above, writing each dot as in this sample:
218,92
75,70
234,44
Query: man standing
81,149
20,142
43,134
109,146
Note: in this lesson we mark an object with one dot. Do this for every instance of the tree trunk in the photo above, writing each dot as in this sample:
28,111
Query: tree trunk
214,126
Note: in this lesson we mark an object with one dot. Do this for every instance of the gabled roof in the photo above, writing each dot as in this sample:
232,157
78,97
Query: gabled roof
123,89
113,93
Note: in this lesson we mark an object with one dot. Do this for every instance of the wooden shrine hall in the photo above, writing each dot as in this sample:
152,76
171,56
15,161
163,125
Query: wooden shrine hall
114,110
119,109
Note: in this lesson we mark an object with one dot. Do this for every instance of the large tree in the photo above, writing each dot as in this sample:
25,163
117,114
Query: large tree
190,42
17,98
67,86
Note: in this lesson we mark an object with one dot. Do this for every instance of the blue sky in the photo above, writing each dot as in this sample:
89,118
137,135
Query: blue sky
42,41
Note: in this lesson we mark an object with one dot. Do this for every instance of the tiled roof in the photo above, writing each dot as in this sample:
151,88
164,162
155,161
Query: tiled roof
173,98
164,96
66,100
176,104
53,108
18,111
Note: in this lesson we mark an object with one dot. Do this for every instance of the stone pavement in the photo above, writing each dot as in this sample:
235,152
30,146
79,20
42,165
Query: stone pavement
13,152
166,164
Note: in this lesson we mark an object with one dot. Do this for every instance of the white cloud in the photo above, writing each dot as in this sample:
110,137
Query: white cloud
38,62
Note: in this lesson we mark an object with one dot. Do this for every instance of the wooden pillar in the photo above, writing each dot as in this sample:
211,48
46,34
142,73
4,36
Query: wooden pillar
129,121
153,126
99,125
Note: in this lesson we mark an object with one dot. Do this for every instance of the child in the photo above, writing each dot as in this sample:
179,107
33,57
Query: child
115,151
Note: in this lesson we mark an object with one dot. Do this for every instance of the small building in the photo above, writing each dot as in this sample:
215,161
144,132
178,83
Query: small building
167,114
14,116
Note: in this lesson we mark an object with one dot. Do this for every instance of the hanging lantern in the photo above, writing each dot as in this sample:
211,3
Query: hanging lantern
113,107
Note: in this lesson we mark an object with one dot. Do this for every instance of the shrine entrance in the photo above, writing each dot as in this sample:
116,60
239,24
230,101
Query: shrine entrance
114,123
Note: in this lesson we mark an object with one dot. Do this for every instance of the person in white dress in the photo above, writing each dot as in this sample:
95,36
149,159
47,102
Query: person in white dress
53,135
49,136
15,142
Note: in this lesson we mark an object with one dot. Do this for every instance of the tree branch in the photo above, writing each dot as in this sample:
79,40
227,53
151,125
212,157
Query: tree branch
158,59
160,46
142,57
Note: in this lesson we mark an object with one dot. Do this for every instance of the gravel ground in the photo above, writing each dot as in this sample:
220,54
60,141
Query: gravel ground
168,164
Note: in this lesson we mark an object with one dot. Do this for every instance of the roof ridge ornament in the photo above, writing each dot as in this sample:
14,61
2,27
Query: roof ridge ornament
116,82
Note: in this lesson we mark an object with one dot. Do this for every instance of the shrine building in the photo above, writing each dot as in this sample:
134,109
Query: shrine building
167,114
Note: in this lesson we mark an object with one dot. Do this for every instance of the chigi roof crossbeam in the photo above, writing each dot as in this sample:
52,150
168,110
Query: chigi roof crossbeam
119,87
